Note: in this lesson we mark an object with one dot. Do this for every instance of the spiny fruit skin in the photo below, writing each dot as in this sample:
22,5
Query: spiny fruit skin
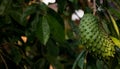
95,40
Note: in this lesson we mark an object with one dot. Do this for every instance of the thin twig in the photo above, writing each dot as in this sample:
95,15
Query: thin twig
94,7
4,61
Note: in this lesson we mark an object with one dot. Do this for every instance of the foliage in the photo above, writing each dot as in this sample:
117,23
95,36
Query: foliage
35,36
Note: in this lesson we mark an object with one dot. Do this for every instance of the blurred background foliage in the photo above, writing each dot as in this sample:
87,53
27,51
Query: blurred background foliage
34,35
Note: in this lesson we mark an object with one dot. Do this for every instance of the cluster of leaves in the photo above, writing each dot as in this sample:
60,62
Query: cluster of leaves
43,29
49,42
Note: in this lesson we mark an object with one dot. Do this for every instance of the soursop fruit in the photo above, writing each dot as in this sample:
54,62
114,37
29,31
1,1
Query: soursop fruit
96,41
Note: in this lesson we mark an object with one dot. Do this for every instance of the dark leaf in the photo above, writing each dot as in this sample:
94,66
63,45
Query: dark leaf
3,6
61,5
56,16
56,28
40,64
54,62
16,55
35,23
16,16
91,62
99,64
80,60
52,49
28,11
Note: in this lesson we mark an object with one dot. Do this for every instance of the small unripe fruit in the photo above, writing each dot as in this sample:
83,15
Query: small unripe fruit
96,41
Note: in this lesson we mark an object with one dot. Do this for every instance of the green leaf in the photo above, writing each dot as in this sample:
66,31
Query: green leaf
57,65
28,11
57,30
43,30
80,60
16,16
105,26
56,25
43,7
52,55
16,56
54,62
46,30
3,6
115,12
32,27
35,22
71,0
57,16
99,64
61,5
52,48
39,64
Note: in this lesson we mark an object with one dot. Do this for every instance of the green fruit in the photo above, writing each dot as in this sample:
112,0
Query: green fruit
95,40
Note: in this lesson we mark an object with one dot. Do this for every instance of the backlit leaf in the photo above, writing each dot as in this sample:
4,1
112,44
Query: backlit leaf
114,24
116,41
